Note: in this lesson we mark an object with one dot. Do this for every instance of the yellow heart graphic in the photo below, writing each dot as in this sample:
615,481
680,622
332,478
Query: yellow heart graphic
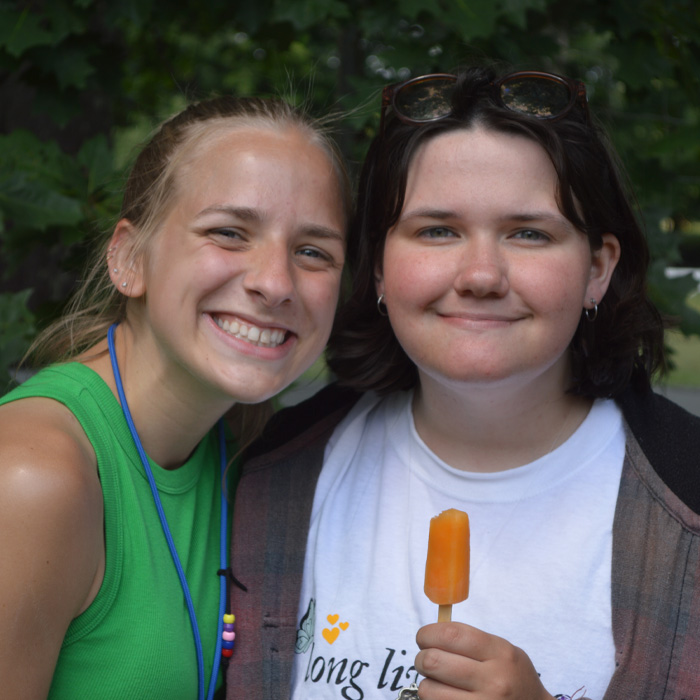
333,619
330,635
344,625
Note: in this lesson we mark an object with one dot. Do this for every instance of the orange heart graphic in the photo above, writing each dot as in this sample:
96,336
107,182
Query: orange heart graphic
344,625
330,635
332,619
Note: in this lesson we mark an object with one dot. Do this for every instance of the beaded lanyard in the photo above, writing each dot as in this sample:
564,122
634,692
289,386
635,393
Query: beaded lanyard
225,634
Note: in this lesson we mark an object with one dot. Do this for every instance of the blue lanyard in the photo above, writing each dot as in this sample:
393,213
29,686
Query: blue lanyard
168,536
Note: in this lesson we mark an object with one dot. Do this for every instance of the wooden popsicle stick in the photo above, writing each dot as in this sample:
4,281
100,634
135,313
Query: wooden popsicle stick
445,613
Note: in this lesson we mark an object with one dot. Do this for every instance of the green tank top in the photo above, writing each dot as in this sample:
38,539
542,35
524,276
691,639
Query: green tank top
135,640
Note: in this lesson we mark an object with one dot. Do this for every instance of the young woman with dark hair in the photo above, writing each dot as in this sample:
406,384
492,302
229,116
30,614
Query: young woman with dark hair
495,356
627,337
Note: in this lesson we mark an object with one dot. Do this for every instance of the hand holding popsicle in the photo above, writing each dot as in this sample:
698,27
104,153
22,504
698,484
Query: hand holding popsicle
461,661
447,565
465,658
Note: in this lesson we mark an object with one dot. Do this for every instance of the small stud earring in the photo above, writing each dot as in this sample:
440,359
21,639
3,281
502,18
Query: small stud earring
115,270
123,284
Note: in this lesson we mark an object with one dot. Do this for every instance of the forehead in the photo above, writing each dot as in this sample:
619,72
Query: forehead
482,163
224,138
249,149
280,173
472,147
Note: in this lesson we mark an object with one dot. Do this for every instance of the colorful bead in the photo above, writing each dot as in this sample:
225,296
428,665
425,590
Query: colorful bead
227,636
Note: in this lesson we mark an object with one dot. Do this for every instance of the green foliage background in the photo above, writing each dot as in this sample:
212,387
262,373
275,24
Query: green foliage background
82,83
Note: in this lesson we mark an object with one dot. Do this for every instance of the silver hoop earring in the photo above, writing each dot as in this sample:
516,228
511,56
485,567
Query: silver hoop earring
591,314
380,303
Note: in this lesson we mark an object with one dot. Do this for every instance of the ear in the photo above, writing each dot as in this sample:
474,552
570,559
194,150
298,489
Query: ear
125,268
603,264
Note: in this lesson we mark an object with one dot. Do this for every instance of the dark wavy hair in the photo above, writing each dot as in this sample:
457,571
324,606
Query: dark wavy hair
625,343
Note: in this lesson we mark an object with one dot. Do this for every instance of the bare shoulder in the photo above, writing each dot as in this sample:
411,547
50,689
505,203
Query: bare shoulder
45,457
51,536
44,419
48,475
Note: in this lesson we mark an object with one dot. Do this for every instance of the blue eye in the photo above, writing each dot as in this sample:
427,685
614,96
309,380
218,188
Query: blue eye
227,232
436,232
314,258
531,235
313,253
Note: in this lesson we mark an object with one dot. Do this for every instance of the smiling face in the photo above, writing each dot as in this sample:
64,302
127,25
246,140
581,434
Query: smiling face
238,289
484,279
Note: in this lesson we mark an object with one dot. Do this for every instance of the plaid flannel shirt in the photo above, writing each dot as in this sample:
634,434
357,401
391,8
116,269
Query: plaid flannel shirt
656,540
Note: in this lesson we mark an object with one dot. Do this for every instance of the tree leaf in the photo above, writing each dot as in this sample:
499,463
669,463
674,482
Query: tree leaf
36,205
468,18
72,66
17,328
21,31
304,14
95,156
516,11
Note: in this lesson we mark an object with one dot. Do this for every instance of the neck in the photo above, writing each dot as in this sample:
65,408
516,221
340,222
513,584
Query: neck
171,415
481,429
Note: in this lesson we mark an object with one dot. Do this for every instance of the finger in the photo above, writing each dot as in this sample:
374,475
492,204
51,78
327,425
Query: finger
483,665
458,638
445,668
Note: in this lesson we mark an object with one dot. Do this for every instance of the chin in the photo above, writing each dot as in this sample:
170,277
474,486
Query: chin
263,391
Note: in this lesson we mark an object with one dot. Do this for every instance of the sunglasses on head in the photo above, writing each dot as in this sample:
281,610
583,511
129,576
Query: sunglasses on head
429,98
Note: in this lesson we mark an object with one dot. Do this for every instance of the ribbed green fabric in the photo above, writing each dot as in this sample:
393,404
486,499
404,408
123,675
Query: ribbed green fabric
135,640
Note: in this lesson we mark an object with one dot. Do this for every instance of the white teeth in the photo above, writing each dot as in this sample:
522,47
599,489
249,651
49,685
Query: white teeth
264,337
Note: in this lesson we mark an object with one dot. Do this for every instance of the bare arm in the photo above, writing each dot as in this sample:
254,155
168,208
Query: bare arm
51,539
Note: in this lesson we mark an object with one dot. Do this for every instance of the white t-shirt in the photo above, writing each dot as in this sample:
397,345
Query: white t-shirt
541,549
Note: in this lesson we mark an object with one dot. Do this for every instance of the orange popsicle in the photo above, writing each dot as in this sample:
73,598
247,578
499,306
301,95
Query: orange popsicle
447,565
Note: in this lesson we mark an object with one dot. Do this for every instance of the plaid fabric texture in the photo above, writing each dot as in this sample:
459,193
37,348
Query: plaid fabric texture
656,557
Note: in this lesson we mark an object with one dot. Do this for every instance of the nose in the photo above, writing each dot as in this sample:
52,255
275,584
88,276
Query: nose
483,269
270,274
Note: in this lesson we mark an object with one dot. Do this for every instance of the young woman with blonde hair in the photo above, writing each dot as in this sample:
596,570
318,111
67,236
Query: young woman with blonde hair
218,286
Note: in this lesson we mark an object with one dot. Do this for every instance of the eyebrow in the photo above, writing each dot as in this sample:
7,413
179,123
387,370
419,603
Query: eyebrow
249,214
245,213
524,217
427,213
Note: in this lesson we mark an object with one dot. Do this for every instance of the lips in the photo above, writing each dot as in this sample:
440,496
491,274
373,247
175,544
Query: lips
481,317
244,330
